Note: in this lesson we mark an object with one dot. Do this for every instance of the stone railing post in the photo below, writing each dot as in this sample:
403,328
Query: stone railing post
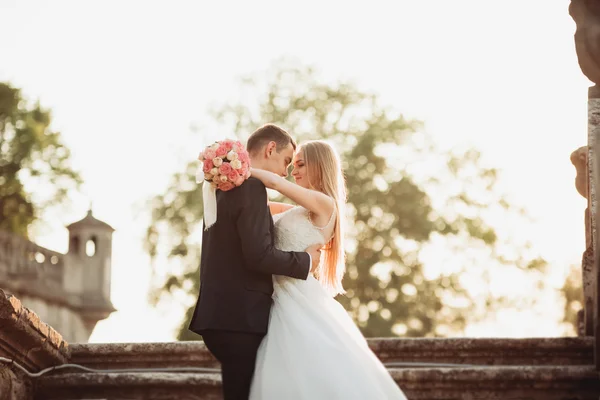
29,342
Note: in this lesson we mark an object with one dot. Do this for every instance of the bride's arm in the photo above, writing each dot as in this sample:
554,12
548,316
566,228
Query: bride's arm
278,208
317,202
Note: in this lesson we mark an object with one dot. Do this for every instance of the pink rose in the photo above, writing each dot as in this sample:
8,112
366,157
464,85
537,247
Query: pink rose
237,146
239,180
225,169
209,154
222,150
233,175
229,143
243,170
243,157
225,186
208,165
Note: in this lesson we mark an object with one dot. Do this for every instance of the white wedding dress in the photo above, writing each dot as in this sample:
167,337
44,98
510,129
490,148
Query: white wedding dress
313,350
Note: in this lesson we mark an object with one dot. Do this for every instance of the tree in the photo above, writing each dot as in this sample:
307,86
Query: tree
34,164
396,206
572,293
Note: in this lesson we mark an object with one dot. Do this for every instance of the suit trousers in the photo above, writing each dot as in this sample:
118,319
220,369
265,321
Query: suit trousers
236,351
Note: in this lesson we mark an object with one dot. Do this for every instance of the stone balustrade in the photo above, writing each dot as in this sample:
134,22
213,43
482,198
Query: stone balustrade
23,259
70,291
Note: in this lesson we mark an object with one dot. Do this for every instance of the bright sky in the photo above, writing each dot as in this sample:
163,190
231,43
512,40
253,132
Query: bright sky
126,80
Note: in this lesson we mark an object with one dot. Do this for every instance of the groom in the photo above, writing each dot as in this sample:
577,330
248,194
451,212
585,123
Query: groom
237,261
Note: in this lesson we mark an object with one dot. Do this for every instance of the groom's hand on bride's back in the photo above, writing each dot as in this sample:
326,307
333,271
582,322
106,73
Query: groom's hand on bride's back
315,255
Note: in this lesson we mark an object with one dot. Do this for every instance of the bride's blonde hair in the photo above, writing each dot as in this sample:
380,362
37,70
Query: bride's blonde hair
326,176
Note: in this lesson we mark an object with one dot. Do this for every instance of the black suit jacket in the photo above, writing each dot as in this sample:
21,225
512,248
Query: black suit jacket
237,263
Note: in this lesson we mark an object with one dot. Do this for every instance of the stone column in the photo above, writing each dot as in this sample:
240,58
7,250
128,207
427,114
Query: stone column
586,15
594,157
585,320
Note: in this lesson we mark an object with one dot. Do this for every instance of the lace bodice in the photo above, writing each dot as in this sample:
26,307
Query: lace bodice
295,232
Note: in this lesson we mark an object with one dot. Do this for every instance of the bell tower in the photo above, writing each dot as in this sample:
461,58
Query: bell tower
88,275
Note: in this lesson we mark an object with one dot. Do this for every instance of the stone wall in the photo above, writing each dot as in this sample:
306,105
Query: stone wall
63,318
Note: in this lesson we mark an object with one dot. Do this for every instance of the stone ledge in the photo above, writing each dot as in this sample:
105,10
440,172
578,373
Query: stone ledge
493,383
132,386
545,351
500,383
487,351
26,339
546,376
142,355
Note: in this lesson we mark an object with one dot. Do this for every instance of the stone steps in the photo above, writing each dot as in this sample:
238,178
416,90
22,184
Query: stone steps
466,351
493,369
465,383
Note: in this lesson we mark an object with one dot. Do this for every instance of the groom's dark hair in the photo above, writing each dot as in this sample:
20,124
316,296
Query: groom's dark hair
269,133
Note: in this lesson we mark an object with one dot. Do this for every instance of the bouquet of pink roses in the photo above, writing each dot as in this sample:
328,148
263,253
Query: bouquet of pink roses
225,164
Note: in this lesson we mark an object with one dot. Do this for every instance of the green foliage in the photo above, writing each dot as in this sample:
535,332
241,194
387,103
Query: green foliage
34,164
391,208
572,292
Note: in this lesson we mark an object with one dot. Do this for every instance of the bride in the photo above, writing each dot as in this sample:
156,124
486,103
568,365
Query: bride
313,350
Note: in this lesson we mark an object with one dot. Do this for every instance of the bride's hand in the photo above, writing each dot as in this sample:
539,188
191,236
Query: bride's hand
269,179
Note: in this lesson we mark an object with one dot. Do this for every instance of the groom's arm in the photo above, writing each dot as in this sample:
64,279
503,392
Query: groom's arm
253,225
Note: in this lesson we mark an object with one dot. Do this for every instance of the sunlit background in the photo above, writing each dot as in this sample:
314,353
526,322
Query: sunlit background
130,85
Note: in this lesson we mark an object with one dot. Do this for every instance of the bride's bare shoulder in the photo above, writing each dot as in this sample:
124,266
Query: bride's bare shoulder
278,208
